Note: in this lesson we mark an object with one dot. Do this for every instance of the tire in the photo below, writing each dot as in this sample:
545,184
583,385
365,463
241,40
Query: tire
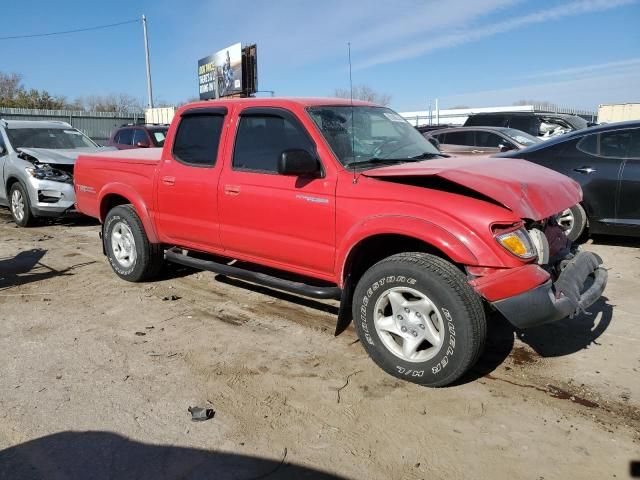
20,206
574,219
438,305
127,246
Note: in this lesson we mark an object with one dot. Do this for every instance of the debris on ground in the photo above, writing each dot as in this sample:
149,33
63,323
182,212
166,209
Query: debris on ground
199,414
171,298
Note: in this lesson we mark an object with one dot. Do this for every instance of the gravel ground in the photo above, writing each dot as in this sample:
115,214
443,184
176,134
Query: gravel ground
97,375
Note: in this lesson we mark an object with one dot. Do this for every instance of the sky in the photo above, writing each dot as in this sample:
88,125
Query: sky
575,53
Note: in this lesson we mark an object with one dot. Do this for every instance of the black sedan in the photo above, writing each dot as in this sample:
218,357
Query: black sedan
605,160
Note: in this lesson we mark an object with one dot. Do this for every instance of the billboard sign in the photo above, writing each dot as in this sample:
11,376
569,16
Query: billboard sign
221,73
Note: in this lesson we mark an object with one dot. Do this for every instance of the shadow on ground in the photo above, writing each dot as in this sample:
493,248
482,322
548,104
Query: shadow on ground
105,455
18,270
555,339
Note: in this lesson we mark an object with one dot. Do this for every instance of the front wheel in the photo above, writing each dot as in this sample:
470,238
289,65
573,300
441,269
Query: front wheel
418,319
20,206
128,249
574,222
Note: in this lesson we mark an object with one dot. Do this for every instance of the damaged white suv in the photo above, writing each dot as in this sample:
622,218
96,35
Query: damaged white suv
36,167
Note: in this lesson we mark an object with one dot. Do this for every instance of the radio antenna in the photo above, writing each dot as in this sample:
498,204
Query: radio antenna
353,138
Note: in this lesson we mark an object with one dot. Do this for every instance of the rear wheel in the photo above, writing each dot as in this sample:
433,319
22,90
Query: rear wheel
128,249
20,206
418,319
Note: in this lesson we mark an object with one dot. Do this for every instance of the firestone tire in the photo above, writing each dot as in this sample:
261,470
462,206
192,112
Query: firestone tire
418,319
127,246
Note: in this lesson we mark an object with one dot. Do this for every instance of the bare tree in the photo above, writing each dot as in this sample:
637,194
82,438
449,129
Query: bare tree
115,102
363,92
10,85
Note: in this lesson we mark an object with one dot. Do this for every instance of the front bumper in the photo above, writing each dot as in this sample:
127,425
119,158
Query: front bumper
49,199
563,298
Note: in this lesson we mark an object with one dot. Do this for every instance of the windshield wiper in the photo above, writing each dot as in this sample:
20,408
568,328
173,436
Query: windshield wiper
427,155
377,160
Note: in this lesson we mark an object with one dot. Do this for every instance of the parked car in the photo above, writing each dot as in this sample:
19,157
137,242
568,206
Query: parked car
138,136
544,125
330,199
480,140
36,167
605,160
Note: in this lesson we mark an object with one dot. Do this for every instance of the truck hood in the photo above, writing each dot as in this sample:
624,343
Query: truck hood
60,156
528,190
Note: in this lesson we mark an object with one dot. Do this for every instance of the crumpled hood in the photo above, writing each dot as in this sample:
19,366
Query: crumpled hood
59,156
528,190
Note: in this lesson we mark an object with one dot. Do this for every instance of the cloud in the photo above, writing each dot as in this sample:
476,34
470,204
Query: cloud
460,37
623,65
586,92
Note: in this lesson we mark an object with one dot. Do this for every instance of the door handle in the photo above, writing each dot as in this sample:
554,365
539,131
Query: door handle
586,170
477,151
169,180
232,189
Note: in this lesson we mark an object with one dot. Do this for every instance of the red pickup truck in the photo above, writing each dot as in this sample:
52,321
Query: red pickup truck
330,199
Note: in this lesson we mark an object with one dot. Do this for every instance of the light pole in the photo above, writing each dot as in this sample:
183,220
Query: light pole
146,52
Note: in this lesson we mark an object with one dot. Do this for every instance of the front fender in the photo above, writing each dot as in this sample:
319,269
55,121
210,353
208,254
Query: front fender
136,200
413,227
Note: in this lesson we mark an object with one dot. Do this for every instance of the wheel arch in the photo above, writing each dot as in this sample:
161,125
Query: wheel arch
116,195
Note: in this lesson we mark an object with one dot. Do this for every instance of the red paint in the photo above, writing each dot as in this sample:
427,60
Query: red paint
270,220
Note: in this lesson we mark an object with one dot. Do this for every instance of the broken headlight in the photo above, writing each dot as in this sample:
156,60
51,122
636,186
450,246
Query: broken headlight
518,243
46,172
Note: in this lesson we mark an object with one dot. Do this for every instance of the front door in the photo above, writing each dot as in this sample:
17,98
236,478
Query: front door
188,181
285,221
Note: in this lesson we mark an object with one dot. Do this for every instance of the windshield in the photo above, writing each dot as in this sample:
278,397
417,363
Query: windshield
373,134
158,136
55,138
523,138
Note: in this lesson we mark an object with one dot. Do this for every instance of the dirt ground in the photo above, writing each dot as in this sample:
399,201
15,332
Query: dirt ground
97,374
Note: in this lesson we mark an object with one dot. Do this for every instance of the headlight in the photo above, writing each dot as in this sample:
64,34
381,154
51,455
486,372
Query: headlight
45,172
518,243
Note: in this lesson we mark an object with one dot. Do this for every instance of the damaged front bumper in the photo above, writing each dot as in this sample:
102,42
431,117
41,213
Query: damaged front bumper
49,198
555,300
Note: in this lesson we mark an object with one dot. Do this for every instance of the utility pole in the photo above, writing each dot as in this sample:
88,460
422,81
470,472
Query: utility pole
146,52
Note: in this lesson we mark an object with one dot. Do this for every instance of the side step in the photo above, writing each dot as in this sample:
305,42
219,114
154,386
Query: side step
174,255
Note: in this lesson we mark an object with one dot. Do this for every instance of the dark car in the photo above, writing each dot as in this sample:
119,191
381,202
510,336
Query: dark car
605,160
480,140
138,136
533,123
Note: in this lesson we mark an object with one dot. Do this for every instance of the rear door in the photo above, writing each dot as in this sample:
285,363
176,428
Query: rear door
281,220
187,186
629,200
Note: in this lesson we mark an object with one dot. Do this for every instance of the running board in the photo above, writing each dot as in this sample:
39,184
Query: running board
313,291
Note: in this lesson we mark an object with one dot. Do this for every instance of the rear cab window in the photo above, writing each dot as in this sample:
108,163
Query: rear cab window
198,137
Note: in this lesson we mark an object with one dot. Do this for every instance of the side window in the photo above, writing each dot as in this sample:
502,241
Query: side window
139,135
125,137
460,138
488,139
524,123
634,146
615,144
3,148
262,138
588,144
197,139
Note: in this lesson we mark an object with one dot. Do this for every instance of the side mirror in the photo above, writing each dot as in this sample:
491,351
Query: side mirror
142,144
298,162
505,148
3,150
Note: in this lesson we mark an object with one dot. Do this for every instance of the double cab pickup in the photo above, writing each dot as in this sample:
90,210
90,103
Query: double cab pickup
343,200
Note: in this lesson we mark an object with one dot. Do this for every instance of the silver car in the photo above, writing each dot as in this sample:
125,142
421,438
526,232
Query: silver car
36,167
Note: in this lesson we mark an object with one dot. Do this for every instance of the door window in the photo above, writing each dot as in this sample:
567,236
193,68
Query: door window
262,138
634,144
125,137
460,138
489,140
197,140
139,136
589,144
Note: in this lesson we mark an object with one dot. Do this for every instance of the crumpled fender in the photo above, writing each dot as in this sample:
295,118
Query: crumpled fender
413,227
136,200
